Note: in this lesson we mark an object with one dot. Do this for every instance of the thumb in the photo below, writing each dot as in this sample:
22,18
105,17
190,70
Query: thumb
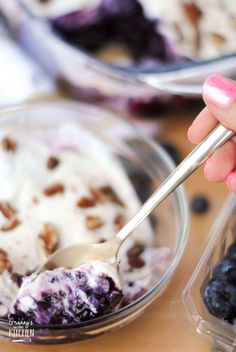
219,94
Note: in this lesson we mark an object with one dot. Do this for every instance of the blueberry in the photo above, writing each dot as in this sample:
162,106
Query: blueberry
231,252
86,314
225,270
141,182
220,299
200,204
172,151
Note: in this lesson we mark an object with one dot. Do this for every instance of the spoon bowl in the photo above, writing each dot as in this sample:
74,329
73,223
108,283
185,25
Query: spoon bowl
75,255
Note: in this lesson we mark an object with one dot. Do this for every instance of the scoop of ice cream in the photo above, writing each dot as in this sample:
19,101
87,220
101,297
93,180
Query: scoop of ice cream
64,296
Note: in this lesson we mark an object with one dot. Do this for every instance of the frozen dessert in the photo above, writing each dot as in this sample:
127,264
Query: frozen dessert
63,296
199,29
165,31
61,188
108,32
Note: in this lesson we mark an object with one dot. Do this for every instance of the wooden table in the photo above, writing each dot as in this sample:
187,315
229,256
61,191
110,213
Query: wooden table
156,329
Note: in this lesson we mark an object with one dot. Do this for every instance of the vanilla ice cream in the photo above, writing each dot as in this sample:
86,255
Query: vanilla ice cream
191,27
63,296
57,190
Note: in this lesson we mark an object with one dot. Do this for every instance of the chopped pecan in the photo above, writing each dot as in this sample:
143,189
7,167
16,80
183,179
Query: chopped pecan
193,12
7,210
134,253
102,240
105,194
136,250
93,222
12,224
119,221
17,278
218,38
50,238
9,144
136,262
5,263
86,202
54,189
52,162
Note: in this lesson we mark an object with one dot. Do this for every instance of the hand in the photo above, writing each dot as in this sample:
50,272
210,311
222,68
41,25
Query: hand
219,95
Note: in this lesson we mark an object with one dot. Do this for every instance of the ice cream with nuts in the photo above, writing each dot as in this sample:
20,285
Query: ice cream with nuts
165,31
56,194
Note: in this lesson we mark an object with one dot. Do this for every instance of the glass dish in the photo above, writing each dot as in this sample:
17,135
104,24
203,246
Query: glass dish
220,333
169,222
135,91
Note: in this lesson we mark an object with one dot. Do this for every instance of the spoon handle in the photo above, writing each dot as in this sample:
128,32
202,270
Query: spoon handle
212,142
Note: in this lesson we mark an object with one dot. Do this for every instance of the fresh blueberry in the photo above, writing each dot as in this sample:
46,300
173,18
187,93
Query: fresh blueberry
200,204
86,314
142,183
231,252
220,299
172,151
225,270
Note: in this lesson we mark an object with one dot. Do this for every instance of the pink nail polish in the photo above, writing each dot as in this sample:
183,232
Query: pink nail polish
219,90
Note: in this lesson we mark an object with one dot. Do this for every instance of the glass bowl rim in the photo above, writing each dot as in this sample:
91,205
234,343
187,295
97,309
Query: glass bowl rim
179,193
133,71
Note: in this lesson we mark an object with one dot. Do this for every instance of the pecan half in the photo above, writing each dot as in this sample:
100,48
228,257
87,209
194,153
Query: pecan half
86,202
7,210
218,38
50,238
136,250
134,253
119,222
93,222
5,263
9,144
12,224
193,12
17,278
102,240
136,262
54,189
105,194
52,162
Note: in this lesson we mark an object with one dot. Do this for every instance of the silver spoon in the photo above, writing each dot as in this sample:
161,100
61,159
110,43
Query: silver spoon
75,255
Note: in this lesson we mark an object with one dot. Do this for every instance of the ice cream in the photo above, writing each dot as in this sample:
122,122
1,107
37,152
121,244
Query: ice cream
63,188
63,296
189,30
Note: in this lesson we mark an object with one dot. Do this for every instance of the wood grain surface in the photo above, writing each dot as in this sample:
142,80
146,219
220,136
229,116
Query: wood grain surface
158,329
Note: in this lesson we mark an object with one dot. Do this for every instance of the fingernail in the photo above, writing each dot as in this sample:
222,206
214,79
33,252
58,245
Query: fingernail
219,90
231,180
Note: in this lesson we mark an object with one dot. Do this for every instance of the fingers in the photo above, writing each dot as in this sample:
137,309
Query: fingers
231,181
201,126
221,163
219,94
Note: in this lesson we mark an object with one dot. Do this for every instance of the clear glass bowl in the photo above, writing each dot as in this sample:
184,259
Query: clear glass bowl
170,221
221,334
134,91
